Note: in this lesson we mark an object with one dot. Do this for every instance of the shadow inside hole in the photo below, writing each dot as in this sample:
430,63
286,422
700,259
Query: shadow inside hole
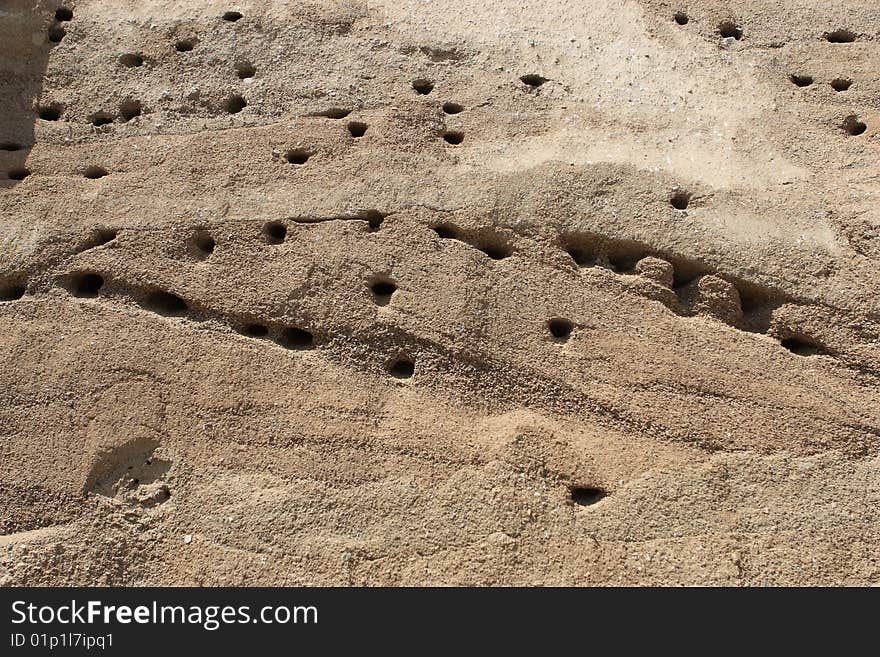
12,290
94,172
85,284
234,104
232,16
840,36
402,368
681,18
185,45
294,337
453,137
51,112
245,70
801,80
101,118
840,84
582,256
382,290
131,60
129,109
422,87
298,156
854,126
533,80
729,29
97,237
446,232
496,251
374,219
560,328
357,129
586,496
254,330
334,113
680,200
56,33
801,345
275,232
201,245
165,303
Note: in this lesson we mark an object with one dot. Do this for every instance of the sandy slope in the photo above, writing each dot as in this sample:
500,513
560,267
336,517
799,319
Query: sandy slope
202,384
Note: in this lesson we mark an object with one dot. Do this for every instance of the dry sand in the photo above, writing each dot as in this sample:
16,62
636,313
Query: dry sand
440,292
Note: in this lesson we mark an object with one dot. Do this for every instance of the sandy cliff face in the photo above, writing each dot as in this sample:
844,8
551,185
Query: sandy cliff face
440,292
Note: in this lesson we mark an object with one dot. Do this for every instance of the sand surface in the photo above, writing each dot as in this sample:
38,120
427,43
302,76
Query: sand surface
437,292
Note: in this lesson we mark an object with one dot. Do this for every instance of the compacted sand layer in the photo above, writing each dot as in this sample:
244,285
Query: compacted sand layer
440,292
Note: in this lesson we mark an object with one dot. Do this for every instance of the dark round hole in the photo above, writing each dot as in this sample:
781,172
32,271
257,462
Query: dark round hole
166,303
11,291
586,496
496,251
382,291
245,70
854,126
97,237
234,104
560,328
18,173
63,14
129,109
374,219
184,45
101,118
296,338
446,232
453,137
801,80
49,112
232,16
532,80
94,172
680,200
802,346
10,146
56,33
86,284
402,368
131,60
681,18
357,129
334,113
255,330
423,86
840,36
582,257
452,108
275,232
298,156
201,245
841,84
729,29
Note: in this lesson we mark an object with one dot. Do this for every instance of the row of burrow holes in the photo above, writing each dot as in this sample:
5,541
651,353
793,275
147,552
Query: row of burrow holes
201,245
129,109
